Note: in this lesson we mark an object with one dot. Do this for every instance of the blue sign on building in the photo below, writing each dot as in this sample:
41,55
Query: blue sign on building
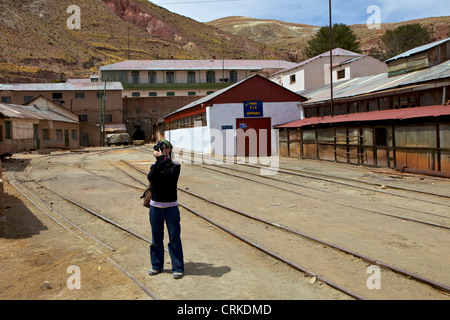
253,109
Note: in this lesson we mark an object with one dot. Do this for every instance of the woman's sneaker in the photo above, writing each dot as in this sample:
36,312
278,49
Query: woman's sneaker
153,272
178,275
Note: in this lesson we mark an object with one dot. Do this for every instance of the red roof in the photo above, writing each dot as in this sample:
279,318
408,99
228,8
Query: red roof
398,114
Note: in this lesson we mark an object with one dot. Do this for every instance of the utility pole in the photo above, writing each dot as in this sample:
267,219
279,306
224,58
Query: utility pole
103,115
331,63
223,61
100,117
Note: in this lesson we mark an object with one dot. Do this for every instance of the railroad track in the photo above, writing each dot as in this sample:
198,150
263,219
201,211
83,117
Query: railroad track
73,224
334,197
96,217
265,226
406,274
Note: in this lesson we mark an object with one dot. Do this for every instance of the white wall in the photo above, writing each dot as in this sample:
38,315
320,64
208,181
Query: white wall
299,83
193,139
212,138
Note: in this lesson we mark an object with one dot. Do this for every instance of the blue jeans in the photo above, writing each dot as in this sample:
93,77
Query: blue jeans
172,218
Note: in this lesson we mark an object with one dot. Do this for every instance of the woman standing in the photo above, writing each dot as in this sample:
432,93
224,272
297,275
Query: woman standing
163,177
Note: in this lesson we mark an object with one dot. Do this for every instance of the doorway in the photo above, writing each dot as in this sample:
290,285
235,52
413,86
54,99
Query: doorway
254,137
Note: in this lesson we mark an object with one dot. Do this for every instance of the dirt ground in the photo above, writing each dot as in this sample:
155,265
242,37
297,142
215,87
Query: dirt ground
37,256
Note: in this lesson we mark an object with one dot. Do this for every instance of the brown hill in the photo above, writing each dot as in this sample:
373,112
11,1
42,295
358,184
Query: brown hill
291,38
37,46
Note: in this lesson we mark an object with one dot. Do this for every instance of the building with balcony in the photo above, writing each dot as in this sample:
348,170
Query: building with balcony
166,78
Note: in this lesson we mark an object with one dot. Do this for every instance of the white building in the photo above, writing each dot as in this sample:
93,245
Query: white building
315,72
211,124
161,78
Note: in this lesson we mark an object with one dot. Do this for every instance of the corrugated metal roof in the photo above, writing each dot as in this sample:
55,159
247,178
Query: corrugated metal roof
77,86
31,112
335,52
144,65
418,49
349,61
407,113
375,83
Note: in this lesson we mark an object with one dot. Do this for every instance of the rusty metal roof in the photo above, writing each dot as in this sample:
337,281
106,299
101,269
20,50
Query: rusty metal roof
399,114
418,49
31,112
374,84
67,86
213,64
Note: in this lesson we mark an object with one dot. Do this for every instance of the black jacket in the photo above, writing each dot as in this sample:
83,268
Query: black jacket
163,177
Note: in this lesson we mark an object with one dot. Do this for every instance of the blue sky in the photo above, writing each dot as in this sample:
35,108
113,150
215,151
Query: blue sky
313,12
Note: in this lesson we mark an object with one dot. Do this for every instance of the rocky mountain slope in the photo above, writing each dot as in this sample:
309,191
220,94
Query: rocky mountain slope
290,38
37,46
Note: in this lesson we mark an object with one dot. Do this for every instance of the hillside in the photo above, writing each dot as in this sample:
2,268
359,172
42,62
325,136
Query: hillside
290,38
37,46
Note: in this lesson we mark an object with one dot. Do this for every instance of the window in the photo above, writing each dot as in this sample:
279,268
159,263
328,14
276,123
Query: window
59,135
191,93
188,122
233,76
45,134
27,98
8,130
404,101
380,137
79,95
74,135
152,94
152,77
108,117
135,77
84,117
341,74
310,112
170,77
210,77
292,79
135,94
6,99
191,77
373,105
57,95
170,94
